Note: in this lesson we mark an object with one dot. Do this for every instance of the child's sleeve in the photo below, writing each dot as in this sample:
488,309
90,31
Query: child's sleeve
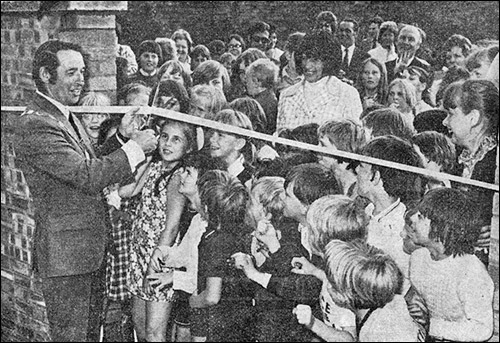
476,295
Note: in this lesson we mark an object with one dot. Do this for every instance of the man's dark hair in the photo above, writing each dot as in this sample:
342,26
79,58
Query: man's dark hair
46,56
259,26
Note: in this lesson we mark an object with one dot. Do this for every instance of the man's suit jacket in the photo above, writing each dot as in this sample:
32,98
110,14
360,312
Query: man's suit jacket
66,180
358,56
417,62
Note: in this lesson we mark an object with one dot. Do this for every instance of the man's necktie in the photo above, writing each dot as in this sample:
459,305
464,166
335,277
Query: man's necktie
345,60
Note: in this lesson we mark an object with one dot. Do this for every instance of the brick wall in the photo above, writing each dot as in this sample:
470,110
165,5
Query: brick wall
91,24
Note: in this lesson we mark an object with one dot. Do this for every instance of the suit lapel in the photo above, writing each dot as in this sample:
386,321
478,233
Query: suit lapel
63,123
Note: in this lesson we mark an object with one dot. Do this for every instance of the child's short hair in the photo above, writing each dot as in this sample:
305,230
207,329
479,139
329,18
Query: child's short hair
168,48
200,50
397,183
345,134
227,57
135,88
208,71
266,72
307,133
454,220
388,121
241,120
177,68
199,160
170,88
254,111
149,46
217,99
94,99
438,148
335,216
268,192
431,120
311,181
409,91
246,57
361,276
225,199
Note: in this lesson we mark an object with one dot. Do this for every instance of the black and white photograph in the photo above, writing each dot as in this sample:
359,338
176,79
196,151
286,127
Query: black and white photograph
250,171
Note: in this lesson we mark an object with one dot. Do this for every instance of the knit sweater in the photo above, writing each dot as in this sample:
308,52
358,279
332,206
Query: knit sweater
459,294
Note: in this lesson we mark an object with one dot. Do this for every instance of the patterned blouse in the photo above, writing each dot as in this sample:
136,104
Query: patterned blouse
318,102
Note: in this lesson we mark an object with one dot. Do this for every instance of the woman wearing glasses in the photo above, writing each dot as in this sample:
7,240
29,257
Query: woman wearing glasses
236,44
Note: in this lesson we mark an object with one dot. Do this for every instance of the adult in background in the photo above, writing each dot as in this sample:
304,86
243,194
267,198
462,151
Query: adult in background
473,121
183,42
386,50
372,40
352,55
66,179
258,36
273,52
408,42
454,53
236,44
326,21
320,96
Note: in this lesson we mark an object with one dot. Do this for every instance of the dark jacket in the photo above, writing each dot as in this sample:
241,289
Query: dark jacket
358,56
66,179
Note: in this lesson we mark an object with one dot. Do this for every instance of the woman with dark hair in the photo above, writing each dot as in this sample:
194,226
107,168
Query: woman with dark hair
321,95
473,122
236,44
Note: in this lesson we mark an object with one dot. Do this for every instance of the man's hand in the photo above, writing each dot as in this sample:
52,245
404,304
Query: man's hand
146,140
132,122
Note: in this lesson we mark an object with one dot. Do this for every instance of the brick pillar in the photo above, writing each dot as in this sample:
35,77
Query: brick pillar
92,25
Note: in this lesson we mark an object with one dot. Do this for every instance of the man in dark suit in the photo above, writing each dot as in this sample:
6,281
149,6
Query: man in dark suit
352,55
66,179
407,44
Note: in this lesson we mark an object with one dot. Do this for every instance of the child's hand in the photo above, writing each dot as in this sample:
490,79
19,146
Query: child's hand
301,265
244,262
304,315
161,280
267,235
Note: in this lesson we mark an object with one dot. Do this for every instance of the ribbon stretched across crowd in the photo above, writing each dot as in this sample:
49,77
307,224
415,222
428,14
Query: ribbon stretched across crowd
270,138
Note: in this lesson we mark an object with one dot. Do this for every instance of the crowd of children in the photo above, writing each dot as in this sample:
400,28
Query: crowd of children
222,237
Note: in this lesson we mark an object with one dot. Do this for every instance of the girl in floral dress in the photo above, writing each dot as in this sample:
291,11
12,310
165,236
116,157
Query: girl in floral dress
160,208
